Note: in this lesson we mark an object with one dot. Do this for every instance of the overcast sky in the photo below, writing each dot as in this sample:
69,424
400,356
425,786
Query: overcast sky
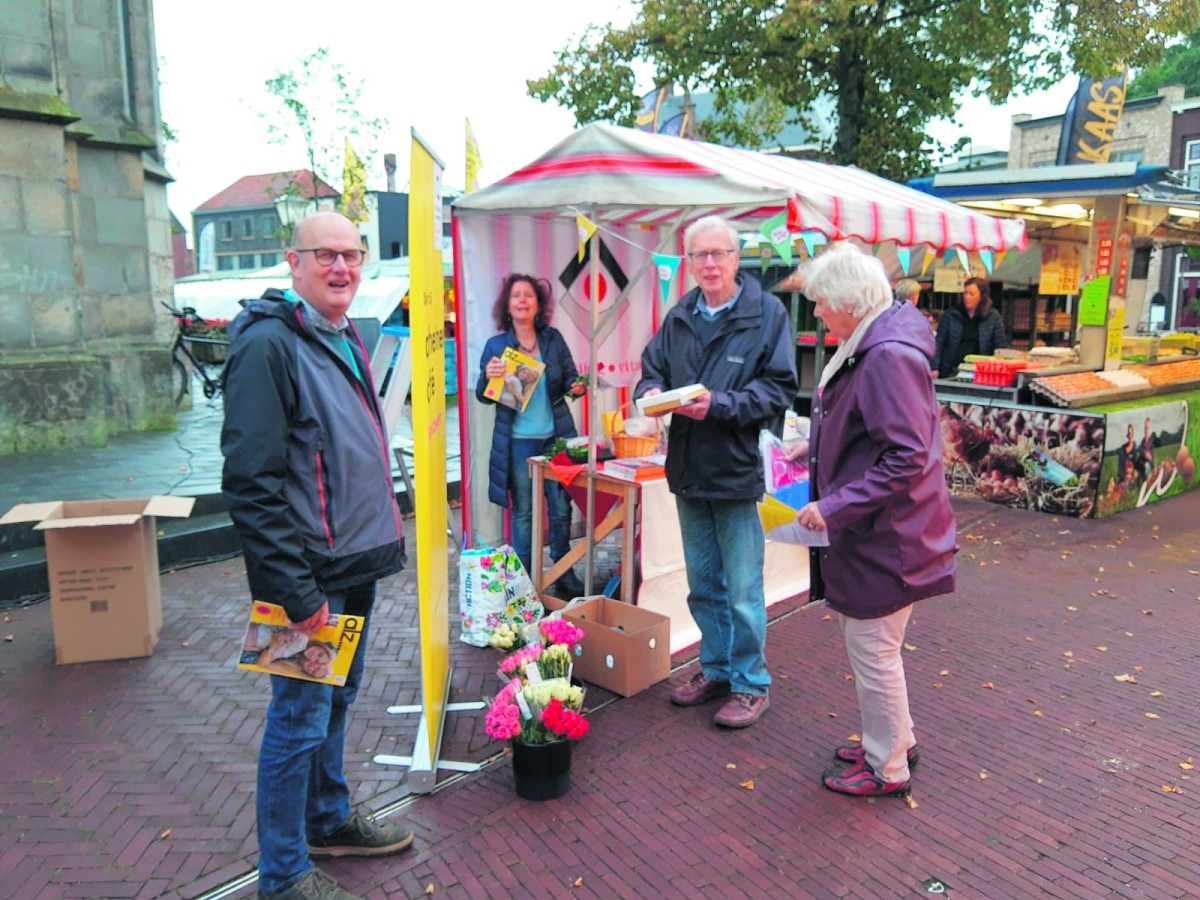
426,66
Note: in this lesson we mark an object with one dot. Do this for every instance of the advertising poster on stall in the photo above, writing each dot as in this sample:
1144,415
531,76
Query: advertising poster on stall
1034,459
1062,267
1149,451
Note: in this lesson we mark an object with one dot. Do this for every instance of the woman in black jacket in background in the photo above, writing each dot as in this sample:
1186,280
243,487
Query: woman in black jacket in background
970,326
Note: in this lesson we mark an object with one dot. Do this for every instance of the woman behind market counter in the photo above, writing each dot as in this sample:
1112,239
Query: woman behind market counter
522,313
876,473
970,326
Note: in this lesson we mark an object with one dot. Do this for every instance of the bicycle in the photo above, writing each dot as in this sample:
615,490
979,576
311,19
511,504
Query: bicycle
184,359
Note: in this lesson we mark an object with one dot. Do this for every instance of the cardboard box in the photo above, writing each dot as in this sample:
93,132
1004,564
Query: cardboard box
102,559
626,649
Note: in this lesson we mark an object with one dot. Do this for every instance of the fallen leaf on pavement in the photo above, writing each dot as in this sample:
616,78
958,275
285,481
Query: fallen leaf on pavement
578,882
1038,713
912,804
944,672
909,647
1073,608
166,834
730,765
988,685
1102,649
1156,693
826,617
1171,789
983,776
1187,766
1128,679
1147,612
748,784
1152,716
858,737
429,888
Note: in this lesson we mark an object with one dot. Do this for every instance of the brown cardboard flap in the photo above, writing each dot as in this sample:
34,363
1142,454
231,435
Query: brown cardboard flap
174,507
31,512
88,522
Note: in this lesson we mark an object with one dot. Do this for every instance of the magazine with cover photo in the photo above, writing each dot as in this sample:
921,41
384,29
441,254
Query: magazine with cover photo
272,644
515,387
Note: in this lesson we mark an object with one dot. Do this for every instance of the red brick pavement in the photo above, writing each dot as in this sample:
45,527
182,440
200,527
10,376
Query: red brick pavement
1041,774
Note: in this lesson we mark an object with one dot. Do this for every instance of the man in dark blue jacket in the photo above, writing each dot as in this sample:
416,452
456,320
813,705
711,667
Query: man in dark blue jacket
736,340
308,485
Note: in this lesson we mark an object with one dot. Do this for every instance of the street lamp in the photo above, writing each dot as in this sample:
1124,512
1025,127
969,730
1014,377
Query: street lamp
291,210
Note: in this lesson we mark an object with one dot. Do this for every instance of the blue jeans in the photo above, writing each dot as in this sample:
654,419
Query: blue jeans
723,547
558,503
301,783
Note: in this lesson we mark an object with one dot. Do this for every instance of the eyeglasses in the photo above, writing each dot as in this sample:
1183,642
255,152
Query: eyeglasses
326,257
714,255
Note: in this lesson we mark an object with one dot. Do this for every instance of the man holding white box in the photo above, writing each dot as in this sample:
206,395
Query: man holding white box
736,340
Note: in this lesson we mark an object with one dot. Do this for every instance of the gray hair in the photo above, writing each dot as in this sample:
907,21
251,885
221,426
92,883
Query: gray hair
710,223
907,288
848,280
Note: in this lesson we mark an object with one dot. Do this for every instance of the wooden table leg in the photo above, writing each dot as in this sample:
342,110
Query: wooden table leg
629,544
538,477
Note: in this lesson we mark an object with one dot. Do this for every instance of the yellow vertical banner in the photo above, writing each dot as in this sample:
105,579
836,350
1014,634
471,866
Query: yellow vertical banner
428,323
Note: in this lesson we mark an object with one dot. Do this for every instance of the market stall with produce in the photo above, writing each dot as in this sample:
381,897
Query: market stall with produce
1053,428
601,215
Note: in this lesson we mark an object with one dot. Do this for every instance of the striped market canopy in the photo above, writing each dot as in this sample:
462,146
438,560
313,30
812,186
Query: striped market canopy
627,177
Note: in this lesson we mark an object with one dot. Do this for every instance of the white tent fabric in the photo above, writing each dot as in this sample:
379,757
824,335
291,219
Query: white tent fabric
633,177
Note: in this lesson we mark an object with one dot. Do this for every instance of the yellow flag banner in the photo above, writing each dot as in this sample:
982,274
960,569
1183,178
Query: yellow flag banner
354,187
586,230
474,160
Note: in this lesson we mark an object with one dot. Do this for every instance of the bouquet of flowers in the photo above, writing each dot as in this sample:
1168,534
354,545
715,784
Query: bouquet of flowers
538,704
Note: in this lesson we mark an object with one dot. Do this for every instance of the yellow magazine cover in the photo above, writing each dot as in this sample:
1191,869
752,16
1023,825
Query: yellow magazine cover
273,645
515,387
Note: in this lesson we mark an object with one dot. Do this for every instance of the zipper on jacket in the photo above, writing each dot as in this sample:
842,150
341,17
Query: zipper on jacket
323,493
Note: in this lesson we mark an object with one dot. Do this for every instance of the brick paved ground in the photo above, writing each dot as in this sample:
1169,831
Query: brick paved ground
1014,679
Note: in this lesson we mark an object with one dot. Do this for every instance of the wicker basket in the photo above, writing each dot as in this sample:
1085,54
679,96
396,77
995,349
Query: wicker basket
625,445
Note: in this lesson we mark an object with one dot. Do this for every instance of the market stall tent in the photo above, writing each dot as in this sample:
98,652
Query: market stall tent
641,190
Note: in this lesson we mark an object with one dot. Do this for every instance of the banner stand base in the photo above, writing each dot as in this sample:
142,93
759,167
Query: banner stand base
422,770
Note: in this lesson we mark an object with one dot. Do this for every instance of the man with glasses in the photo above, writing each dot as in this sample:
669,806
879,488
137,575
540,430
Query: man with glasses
736,340
308,485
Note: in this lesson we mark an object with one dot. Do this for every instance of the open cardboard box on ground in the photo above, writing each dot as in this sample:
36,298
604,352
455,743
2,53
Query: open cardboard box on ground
102,562
626,649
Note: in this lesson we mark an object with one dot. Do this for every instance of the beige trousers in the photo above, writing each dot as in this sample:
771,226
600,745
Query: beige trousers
874,646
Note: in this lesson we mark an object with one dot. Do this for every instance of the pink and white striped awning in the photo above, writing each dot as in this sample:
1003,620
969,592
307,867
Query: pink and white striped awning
630,177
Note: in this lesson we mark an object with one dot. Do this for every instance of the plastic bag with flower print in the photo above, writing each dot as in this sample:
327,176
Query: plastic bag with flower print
493,589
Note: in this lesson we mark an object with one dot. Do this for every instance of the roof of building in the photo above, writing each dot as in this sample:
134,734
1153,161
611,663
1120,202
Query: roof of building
263,190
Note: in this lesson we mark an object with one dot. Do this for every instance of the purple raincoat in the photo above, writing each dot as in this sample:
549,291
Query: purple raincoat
876,445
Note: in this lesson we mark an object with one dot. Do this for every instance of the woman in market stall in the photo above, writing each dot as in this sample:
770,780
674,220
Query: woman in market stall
522,312
876,474
971,326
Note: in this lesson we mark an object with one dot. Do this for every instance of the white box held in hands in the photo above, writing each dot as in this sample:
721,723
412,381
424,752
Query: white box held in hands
669,400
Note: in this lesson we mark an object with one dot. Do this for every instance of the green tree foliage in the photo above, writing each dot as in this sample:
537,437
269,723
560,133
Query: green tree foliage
1180,65
318,103
891,66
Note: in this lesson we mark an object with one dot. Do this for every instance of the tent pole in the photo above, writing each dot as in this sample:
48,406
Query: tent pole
594,428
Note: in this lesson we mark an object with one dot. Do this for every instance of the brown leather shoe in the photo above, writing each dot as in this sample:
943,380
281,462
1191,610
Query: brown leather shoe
699,689
742,710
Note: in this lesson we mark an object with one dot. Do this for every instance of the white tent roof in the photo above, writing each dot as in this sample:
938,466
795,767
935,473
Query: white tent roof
620,175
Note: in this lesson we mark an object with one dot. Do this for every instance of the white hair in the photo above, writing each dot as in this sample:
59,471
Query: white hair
710,223
848,280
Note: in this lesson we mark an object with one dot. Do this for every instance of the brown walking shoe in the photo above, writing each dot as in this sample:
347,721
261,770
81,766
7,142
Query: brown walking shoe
699,689
742,710
316,885
361,835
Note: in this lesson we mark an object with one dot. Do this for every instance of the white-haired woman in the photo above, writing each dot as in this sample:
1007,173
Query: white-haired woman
876,461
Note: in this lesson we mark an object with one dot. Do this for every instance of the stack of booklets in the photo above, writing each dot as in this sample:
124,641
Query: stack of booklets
637,468
669,400
516,386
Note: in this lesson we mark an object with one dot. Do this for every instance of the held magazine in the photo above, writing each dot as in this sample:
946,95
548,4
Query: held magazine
515,387
272,645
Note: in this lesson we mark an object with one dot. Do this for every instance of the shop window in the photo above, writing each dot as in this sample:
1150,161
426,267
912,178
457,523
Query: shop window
247,228
247,261
224,263
268,226
1141,263
226,230
1191,164
268,259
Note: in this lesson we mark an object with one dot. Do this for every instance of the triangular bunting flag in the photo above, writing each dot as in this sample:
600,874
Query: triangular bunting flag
929,258
586,230
947,256
666,266
775,230
905,256
986,256
963,260
1000,254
